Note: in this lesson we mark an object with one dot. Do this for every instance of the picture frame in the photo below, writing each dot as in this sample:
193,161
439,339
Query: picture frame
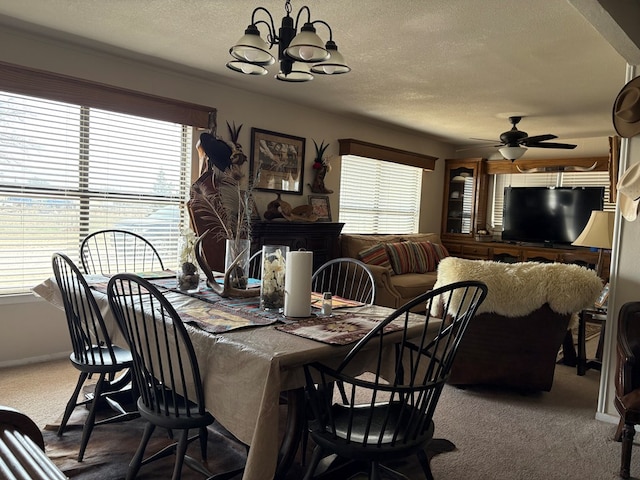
277,162
321,207
601,301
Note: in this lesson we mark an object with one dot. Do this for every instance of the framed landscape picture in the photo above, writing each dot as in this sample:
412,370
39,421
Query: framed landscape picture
321,207
277,161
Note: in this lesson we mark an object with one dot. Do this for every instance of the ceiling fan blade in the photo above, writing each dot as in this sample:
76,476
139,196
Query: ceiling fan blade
477,147
566,146
537,138
485,140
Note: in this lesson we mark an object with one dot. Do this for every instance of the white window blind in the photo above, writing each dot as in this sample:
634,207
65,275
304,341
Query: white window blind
549,179
67,170
378,196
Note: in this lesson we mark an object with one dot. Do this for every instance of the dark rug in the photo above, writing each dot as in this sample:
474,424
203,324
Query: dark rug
112,446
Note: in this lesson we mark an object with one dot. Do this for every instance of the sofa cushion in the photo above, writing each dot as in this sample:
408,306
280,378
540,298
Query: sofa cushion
402,256
375,255
410,285
428,255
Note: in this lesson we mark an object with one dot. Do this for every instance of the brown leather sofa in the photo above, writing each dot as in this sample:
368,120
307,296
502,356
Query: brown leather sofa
514,339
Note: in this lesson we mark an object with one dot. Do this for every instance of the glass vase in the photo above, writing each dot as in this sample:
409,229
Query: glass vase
188,278
237,250
272,283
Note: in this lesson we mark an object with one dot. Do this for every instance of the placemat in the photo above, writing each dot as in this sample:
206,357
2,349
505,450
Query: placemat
336,301
336,329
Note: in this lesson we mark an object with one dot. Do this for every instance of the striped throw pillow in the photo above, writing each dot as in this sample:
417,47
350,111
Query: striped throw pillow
426,256
402,257
375,255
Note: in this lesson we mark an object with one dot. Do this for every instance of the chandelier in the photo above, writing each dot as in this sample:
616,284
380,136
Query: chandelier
300,55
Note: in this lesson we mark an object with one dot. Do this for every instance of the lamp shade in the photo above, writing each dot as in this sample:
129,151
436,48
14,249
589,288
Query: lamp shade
307,46
598,233
512,153
252,48
299,73
334,65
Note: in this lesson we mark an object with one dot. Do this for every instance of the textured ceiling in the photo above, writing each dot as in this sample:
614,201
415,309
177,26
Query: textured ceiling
452,69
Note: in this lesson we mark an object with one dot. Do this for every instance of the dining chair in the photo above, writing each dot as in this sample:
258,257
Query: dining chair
389,411
255,265
345,277
93,352
107,252
166,372
627,381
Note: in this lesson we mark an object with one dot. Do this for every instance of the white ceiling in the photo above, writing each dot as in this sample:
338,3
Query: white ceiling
452,69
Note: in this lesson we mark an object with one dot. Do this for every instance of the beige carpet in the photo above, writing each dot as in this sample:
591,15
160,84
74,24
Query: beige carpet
498,434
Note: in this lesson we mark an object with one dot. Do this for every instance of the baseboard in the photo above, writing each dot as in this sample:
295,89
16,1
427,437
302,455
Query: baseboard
607,417
30,360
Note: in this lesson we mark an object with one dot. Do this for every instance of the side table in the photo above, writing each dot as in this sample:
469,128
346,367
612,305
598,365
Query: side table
590,315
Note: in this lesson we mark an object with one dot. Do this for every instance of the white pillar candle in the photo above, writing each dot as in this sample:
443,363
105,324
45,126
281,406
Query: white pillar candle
297,284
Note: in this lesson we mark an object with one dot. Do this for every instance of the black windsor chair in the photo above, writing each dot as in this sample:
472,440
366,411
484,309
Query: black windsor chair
388,415
93,351
166,371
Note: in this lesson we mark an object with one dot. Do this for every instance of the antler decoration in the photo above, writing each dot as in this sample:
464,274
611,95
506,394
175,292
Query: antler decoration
224,290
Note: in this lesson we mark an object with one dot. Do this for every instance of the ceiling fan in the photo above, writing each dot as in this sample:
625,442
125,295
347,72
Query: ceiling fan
514,142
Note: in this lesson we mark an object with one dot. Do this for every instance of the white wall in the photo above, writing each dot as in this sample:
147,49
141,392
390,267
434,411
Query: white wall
32,329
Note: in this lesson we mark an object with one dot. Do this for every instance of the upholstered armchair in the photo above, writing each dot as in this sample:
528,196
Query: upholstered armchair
627,399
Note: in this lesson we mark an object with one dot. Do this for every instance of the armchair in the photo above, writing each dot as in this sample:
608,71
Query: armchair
627,399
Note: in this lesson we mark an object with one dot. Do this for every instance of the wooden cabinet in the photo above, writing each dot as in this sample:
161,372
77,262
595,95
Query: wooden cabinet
464,205
510,253
322,238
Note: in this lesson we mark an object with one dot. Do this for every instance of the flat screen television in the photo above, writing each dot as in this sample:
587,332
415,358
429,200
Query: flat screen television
549,215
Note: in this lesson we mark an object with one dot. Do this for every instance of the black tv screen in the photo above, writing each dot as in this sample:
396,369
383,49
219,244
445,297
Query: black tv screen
551,215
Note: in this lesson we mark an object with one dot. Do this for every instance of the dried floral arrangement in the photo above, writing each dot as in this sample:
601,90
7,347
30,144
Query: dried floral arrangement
219,205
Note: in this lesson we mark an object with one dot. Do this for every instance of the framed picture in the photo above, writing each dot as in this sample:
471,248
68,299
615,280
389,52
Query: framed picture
321,207
277,161
601,301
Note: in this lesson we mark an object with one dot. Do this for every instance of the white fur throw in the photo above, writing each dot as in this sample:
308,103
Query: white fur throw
517,289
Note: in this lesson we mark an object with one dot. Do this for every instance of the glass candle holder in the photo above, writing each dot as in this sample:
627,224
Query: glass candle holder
272,283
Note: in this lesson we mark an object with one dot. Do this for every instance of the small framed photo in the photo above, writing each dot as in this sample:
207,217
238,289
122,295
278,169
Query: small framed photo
277,161
321,207
601,301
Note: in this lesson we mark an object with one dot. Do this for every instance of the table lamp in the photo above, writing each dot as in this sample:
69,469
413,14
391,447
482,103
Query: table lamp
598,233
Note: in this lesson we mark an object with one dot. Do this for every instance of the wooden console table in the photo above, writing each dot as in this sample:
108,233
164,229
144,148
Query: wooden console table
322,238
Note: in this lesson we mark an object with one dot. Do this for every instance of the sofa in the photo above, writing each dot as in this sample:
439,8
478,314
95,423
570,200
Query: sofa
403,266
514,339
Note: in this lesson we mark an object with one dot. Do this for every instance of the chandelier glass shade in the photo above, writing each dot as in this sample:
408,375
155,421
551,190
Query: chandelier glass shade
300,55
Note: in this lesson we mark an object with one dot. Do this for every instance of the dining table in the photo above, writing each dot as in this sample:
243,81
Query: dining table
250,359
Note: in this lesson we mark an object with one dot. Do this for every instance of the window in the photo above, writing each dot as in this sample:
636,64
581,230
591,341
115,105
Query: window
67,170
378,196
560,179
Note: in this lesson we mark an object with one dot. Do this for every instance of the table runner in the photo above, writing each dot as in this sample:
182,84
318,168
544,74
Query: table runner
336,329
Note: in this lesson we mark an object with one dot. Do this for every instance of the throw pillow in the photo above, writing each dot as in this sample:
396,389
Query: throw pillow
426,256
441,251
402,257
375,255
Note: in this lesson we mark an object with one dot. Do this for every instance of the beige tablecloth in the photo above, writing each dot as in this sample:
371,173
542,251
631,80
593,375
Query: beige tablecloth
243,373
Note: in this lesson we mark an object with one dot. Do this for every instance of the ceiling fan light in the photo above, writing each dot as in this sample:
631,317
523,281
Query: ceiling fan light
307,46
512,153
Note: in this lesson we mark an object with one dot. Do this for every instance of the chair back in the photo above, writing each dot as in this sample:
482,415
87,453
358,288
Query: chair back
90,338
107,252
255,265
164,361
391,407
628,349
346,277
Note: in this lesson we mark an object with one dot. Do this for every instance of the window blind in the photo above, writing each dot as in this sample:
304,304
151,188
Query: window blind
378,196
67,170
549,179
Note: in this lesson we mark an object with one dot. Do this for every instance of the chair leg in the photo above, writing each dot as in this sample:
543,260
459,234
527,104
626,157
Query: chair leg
204,435
136,461
181,450
91,418
313,463
627,443
424,462
72,403
618,435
